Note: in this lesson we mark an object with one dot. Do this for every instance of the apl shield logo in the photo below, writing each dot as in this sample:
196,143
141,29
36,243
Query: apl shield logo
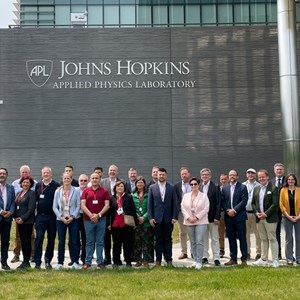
39,71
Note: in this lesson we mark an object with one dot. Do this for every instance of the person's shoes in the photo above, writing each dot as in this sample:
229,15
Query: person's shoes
15,259
158,264
76,266
222,253
32,259
290,263
48,265
128,265
101,267
23,266
198,266
146,264
169,264
138,264
248,257
279,257
70,264
5,266
257,257
182,256
275,263
260,262
244,262
231,263
59,267
107,262
38,267
204,261
217,263
86,266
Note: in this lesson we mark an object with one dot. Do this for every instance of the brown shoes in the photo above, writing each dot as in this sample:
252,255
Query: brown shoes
85,266
182,256
169,264
231,263
244,262
138,264
146,264
101,267
158,264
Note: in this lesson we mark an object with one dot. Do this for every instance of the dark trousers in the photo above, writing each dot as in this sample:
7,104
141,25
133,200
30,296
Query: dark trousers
278,233
107,244
236,230
143,240
5,236
25,231
122,236
81,239
163,238
73,233
44,223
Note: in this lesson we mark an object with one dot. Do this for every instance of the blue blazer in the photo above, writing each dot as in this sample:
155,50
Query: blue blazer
10,205
162,210
240,199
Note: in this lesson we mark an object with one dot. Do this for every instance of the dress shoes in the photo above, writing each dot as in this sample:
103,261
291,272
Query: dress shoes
217,263
222,253
48,265
258,256
101,267
145,264
244,262
138,264
107,261
158,264
169,264
23,266
5,266
86,266
204,261
290,263
182,256
231,263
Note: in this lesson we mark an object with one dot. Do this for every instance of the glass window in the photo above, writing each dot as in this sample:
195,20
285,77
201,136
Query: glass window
95,14
95,1
62,15
46,17
78,1
127,14
78,8
258,13
192,14
30,16
160,14
111,1
111,15
62,1
176,14
208,14
46,8
127,1
297,12
29,8
272,12
241,14
225,14
143,14
46,1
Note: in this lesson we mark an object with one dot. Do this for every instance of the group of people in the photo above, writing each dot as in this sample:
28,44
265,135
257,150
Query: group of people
110,215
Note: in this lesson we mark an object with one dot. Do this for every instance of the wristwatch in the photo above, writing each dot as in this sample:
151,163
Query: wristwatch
99,215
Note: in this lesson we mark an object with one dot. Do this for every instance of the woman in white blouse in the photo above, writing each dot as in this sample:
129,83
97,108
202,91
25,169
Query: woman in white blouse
195,207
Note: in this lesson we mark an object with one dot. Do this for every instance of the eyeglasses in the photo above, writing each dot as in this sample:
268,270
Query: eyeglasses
193,184
82,180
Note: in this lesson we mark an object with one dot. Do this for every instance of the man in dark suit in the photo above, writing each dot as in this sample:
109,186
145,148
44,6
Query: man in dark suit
214,195
182,187
162,214
7,208
279,181
234,201
265,203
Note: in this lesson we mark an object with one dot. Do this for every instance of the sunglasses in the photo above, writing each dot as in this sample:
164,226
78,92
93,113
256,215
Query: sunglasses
193,184
82,180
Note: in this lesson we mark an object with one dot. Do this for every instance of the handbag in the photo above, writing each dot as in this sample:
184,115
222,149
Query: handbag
129,220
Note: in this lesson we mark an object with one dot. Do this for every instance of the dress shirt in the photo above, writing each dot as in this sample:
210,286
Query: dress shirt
185,187
162,190
261,198
205,188
3,195
232,188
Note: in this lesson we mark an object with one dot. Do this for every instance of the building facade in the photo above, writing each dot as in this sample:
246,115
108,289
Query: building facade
146,13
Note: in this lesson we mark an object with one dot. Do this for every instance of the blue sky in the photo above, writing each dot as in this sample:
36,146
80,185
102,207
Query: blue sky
6,13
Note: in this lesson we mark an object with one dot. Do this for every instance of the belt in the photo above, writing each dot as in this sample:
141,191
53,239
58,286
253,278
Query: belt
250,211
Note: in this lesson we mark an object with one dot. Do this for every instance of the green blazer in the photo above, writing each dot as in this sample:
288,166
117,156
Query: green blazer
144,212
271,202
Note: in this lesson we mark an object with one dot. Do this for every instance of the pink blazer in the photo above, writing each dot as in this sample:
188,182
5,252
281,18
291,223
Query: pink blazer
201,208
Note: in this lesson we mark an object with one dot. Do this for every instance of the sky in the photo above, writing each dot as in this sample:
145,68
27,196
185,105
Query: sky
6,13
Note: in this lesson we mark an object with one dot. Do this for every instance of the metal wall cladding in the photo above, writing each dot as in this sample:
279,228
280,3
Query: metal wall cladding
229,119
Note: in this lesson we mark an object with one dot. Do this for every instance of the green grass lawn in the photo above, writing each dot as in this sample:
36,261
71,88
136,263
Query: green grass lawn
157,283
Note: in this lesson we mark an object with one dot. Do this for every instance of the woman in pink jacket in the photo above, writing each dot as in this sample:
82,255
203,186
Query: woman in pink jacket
194,207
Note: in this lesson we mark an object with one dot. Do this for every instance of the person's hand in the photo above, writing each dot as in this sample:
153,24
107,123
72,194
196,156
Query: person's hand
152,222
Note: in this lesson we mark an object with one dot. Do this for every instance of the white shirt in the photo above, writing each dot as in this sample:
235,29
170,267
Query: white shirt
232,188
205,187
185,187
261,198
4,196
250,187
162,190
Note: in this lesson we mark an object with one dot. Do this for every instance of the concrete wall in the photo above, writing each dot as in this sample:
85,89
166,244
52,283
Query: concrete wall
229,119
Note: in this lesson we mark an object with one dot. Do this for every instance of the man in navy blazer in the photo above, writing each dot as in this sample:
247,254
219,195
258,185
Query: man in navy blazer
234,201
7,208
162,214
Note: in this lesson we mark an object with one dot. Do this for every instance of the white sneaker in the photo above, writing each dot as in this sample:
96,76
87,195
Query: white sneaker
260,262
198,266
59,267
275,264
76,266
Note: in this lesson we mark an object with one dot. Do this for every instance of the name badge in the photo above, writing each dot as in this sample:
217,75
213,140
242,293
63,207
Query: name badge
95,201
42,196
120,211
141,210
18,207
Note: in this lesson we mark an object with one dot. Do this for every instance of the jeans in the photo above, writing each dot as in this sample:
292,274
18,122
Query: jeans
289,239
196,234
74,247
94,236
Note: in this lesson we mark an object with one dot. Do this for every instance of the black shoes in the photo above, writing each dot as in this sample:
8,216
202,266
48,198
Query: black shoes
5,266
24,266
204,261
48,265
217,263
